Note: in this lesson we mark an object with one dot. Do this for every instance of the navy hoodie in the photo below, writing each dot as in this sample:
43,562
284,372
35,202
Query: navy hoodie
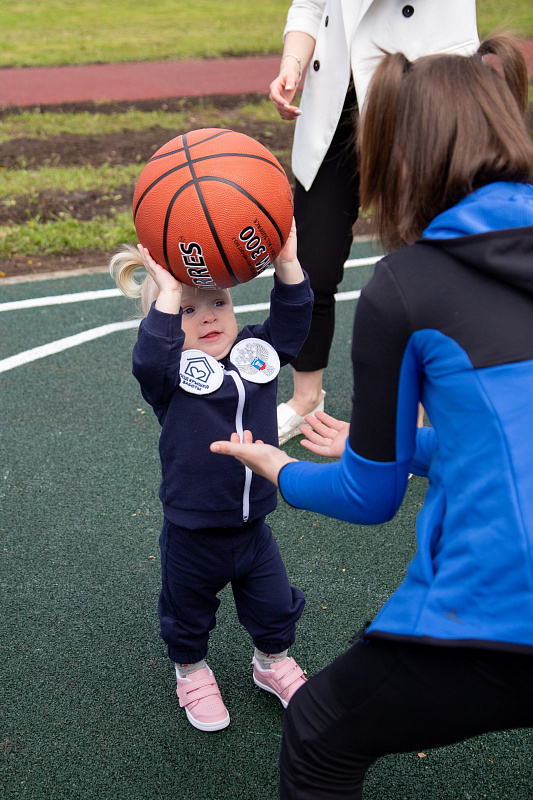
200,489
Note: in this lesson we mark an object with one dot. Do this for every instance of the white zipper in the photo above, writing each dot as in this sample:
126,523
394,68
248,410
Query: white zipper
239,427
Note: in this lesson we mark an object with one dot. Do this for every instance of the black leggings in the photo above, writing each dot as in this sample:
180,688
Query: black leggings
385,697
325,216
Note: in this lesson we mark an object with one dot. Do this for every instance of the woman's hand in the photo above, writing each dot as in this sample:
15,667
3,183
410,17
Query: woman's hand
263,459
297,51
325,435
169,298
283,88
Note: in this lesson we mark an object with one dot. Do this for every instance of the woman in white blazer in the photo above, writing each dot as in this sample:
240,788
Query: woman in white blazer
340,42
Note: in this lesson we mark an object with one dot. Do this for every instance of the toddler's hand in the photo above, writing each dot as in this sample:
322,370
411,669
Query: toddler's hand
169,297
286,265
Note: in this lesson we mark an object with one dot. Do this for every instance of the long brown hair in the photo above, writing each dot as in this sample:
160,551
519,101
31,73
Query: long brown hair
434,130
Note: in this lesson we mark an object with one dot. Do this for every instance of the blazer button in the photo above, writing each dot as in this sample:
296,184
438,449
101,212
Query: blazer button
408,11
316,65
326,23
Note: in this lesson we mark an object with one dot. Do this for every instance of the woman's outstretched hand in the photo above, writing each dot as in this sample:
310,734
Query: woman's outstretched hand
325,435
261,458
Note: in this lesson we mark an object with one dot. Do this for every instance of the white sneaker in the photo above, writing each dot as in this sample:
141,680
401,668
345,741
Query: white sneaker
289,421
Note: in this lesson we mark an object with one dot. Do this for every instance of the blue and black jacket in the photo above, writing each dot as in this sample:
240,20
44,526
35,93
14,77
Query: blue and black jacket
200,489
448,322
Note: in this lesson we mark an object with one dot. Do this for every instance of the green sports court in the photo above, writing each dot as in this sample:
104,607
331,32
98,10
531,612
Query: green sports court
88,707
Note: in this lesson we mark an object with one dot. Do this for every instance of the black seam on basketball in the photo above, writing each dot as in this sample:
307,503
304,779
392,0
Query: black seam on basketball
220,155
249,196
207,215
197,161
154,183
236,186
181,149
167,222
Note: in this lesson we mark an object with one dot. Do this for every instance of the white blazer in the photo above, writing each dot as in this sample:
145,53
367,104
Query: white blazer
350,36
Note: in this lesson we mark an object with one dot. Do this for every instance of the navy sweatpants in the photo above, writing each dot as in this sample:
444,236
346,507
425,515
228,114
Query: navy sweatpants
197,564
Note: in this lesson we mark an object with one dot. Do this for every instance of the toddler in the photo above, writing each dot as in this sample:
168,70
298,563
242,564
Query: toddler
205,381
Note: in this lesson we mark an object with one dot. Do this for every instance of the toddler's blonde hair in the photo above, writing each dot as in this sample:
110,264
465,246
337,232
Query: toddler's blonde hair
122,267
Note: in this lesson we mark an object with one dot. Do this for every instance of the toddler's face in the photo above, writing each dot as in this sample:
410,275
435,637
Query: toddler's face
208,321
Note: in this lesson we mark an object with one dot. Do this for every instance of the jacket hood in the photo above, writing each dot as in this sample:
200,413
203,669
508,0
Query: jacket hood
491,230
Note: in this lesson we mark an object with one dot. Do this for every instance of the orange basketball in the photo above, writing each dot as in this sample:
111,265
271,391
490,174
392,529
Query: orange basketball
213,206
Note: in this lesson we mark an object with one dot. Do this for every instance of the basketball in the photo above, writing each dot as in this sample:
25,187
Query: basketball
214,207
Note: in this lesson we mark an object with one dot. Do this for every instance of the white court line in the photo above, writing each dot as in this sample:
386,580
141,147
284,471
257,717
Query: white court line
104,330
64,344
103,294
59,300
362,262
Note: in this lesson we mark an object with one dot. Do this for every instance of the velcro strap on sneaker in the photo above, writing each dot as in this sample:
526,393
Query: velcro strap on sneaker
289,673
197,690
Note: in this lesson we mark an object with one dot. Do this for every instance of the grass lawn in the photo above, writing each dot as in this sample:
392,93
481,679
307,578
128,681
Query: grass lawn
515,15
44,32
63,32
30,185
42,123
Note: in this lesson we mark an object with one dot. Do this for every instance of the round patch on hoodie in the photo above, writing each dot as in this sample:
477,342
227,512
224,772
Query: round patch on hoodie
256,360
200,373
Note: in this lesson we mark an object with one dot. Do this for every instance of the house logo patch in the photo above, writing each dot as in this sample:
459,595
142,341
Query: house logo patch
200,373
256,360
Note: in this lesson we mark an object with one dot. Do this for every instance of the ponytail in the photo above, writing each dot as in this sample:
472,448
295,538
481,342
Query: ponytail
434,131
513,64
122,268
378,178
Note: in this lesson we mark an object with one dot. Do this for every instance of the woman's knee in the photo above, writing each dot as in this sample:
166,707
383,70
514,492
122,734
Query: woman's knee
311,765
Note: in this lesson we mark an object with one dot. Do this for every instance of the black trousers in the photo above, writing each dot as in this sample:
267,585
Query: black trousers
325,216
385,697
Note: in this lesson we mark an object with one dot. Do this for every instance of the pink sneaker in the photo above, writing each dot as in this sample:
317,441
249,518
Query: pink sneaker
283,678
199,694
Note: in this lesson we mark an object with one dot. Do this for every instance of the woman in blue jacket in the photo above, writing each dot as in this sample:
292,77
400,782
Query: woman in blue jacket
446,320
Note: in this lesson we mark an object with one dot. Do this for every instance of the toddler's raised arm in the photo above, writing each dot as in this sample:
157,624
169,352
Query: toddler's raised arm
286,265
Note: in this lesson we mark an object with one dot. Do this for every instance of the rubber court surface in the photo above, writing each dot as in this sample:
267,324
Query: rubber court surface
87,700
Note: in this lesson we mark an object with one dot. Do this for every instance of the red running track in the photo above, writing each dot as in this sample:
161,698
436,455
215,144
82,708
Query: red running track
149,80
